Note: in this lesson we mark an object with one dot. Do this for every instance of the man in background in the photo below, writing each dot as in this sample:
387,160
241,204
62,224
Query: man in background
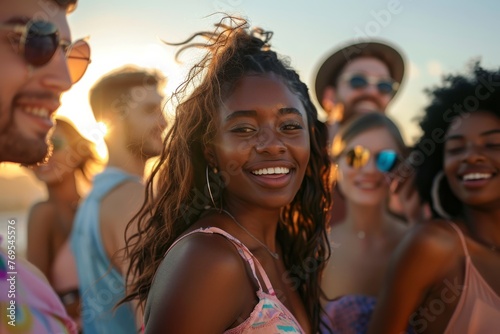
129,102
358,78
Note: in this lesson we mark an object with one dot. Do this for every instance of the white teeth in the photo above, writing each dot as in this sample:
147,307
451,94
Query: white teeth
476,176
271,170
37,111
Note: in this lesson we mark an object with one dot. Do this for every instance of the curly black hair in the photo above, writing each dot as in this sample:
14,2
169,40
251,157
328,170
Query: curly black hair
459,95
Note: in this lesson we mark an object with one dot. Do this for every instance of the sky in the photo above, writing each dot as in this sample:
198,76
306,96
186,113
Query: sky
436,37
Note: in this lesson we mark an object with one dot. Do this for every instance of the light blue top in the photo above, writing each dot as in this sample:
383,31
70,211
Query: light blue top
101,285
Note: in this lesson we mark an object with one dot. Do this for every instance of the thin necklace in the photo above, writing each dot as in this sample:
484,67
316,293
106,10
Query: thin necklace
273,254
493,248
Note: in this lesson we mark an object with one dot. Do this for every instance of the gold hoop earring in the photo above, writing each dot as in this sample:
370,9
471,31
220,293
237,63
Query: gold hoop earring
436,203
209,188
215,170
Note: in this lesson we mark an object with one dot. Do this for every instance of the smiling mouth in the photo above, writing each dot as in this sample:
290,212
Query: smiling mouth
37,111
271,171
476,176
368,185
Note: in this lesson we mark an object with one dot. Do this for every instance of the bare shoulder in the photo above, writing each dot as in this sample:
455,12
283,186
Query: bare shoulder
202,274
210,253
435,235
122,203
127,192
430,243
42,213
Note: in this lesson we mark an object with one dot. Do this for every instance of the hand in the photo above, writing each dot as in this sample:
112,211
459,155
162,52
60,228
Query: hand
413,209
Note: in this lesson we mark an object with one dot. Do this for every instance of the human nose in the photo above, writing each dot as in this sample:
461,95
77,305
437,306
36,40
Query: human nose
370,165
372,89
268,141
473,153
55,74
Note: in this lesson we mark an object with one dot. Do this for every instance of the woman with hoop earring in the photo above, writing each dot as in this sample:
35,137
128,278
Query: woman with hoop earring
445,277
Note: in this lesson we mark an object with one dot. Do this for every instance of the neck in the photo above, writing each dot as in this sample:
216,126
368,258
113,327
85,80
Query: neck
65,191
370,220
486,224
120,157
260,223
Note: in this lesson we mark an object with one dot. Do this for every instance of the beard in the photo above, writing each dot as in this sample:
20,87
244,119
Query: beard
353,109
142,144
14,147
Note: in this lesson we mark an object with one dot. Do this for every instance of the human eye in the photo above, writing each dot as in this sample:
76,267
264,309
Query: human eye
454,145
493,145
493,141
289,126
454,149
243,129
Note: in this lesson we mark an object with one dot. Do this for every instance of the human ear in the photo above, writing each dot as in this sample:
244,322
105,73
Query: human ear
209,154
328,100
334,110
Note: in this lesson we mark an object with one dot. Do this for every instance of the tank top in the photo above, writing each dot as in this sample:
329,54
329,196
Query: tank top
478,310
269,316
101,285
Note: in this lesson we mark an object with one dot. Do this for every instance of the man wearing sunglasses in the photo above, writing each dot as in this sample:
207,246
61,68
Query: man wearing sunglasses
38,62
358,78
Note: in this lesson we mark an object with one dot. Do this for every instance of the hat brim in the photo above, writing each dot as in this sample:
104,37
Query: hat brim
330,69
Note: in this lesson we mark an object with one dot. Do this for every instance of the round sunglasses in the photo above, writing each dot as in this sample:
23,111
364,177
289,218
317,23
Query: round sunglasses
39,41
384,86
385,160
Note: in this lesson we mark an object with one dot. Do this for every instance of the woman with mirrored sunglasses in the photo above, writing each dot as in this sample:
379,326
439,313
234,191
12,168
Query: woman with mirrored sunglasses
367,151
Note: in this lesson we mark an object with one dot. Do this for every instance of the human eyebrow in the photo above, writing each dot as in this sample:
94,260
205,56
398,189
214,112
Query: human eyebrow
490,132
454,137
241,113
289,110
17,20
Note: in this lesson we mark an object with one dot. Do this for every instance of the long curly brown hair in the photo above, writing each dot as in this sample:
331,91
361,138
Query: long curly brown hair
176,192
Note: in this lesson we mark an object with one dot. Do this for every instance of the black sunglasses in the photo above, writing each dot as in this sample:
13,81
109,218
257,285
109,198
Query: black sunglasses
39,41
385,160
384,86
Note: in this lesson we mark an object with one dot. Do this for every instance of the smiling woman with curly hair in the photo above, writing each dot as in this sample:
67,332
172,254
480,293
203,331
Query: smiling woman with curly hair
444,277
233,238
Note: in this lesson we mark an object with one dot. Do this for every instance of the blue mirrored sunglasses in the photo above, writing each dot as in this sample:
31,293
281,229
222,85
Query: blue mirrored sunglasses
385,160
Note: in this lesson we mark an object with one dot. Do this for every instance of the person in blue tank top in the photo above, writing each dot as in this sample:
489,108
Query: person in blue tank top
129,101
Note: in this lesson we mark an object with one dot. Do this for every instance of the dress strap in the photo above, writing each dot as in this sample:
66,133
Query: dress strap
461,236
242,250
